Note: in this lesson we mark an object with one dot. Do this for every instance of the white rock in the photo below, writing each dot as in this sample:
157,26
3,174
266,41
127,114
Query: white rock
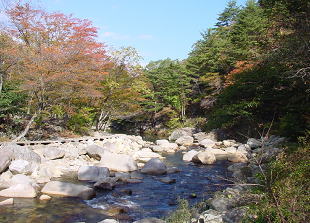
9,201
45,197
237,157
68,190
92,173
154,167
185,141
207,143
206,158
19,190
118,162
189,155
22,167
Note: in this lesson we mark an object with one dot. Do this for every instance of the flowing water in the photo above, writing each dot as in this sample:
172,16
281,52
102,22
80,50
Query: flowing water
151,198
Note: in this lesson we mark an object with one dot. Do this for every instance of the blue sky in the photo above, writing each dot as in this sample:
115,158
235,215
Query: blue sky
156,28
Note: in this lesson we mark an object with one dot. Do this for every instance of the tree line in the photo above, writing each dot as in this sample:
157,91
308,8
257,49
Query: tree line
247,73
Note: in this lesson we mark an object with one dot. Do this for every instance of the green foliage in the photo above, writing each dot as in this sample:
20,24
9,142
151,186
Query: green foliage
182,214
12,100
81,121
169,86
286,194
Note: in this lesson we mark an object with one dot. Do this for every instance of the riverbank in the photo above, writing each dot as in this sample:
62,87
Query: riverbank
33,171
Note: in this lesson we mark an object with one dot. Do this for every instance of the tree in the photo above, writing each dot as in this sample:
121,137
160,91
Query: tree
228,16
59,54
169,86
120,95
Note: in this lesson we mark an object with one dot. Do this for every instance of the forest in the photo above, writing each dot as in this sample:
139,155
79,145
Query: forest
247,73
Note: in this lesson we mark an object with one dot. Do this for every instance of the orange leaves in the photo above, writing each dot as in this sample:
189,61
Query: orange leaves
240,67
59,55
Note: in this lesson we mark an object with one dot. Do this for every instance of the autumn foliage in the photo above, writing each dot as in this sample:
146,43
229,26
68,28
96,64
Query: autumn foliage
58,56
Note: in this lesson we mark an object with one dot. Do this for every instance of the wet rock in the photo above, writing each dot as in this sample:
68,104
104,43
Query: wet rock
154,167
109,221
116,210
150,220
189,155
53,153
45,197
205,158
19,190
135,175
68,190
171,170
9,201
122,176
185,141
106,183
92,173
167,180
118,162
133,181
207,143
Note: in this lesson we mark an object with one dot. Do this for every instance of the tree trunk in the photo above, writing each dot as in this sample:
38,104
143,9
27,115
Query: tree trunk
26,129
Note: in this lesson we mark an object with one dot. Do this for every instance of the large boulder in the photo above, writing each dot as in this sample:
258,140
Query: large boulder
185,141
52,153
19,190
93,173
187,157
165,147
205,158
145,155
106,183
16,152
218,153
118,162
254,143
22,179
237,157
94,151
203,135
22,167
68,190
9,201
154,167
5,161
207,143
178,133
5,179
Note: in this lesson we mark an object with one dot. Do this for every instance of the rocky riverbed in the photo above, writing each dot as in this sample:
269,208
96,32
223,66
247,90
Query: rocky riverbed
121,177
